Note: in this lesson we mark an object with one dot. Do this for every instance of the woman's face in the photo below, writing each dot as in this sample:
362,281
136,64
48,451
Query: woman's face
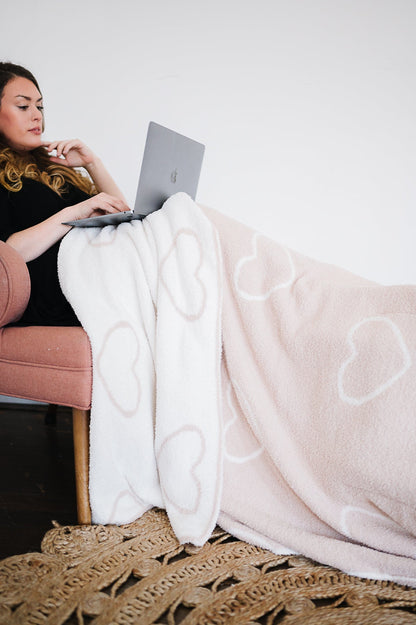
21,118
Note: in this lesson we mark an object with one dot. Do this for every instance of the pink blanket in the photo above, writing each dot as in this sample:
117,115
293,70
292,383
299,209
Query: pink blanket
316,396
319,401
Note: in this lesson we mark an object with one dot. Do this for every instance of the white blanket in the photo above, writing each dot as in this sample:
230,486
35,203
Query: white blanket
148,295
237,381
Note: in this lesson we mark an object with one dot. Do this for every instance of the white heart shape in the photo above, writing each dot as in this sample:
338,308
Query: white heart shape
401,349
99,237
127,505
180,274
347,518
375,529
237,433
178,459
244,264
122,384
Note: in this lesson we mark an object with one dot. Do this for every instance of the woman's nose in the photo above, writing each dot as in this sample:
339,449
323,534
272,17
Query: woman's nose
36,114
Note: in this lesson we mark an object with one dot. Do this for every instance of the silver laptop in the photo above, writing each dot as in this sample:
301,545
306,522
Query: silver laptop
171,163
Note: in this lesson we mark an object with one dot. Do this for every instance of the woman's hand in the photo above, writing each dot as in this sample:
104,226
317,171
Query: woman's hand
34,241
70,153
74,153
96,205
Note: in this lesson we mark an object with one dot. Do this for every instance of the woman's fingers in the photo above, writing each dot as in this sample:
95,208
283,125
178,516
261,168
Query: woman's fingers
64,146
115,204
55,145
103,203
70,152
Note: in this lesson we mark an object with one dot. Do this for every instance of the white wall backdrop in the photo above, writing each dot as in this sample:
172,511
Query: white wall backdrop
307,108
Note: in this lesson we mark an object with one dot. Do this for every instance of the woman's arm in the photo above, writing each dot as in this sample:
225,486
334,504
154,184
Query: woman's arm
74,153
33,241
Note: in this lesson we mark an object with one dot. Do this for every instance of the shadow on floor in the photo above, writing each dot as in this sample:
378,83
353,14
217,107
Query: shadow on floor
37,476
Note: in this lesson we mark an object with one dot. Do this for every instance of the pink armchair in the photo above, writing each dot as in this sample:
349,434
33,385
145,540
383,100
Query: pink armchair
47,364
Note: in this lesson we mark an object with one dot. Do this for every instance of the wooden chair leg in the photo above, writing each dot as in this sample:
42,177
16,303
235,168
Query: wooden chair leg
81,426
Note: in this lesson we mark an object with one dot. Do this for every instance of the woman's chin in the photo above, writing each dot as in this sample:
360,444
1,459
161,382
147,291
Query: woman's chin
35,142
28,146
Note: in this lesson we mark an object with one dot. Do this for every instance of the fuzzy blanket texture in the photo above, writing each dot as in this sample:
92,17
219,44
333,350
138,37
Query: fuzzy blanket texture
238,382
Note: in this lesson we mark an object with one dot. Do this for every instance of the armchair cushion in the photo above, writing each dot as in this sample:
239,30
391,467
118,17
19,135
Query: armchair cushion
48,364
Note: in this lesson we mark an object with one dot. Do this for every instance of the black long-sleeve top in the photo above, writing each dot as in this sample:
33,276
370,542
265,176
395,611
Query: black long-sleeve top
19,210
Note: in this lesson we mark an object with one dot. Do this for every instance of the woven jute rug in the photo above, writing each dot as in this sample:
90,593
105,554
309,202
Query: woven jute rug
139,573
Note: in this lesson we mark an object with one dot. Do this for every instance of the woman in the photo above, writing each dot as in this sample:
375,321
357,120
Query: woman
38,192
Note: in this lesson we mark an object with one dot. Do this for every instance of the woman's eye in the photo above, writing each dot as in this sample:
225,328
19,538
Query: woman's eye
23,108
40,108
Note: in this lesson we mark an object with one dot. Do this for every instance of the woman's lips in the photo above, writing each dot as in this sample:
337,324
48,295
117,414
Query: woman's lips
35,131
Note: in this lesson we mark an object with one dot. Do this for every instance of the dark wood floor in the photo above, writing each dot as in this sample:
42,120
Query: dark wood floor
37,476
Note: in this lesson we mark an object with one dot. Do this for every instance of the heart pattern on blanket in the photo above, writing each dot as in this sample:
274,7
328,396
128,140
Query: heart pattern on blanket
379,357
240,444
122,383
98,237
361,524
126,499
180,274
355,519
252,282
178,459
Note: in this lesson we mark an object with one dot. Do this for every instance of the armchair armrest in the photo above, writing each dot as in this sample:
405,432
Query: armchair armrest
14,284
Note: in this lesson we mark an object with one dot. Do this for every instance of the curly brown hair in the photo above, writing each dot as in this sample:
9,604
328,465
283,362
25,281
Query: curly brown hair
35,164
